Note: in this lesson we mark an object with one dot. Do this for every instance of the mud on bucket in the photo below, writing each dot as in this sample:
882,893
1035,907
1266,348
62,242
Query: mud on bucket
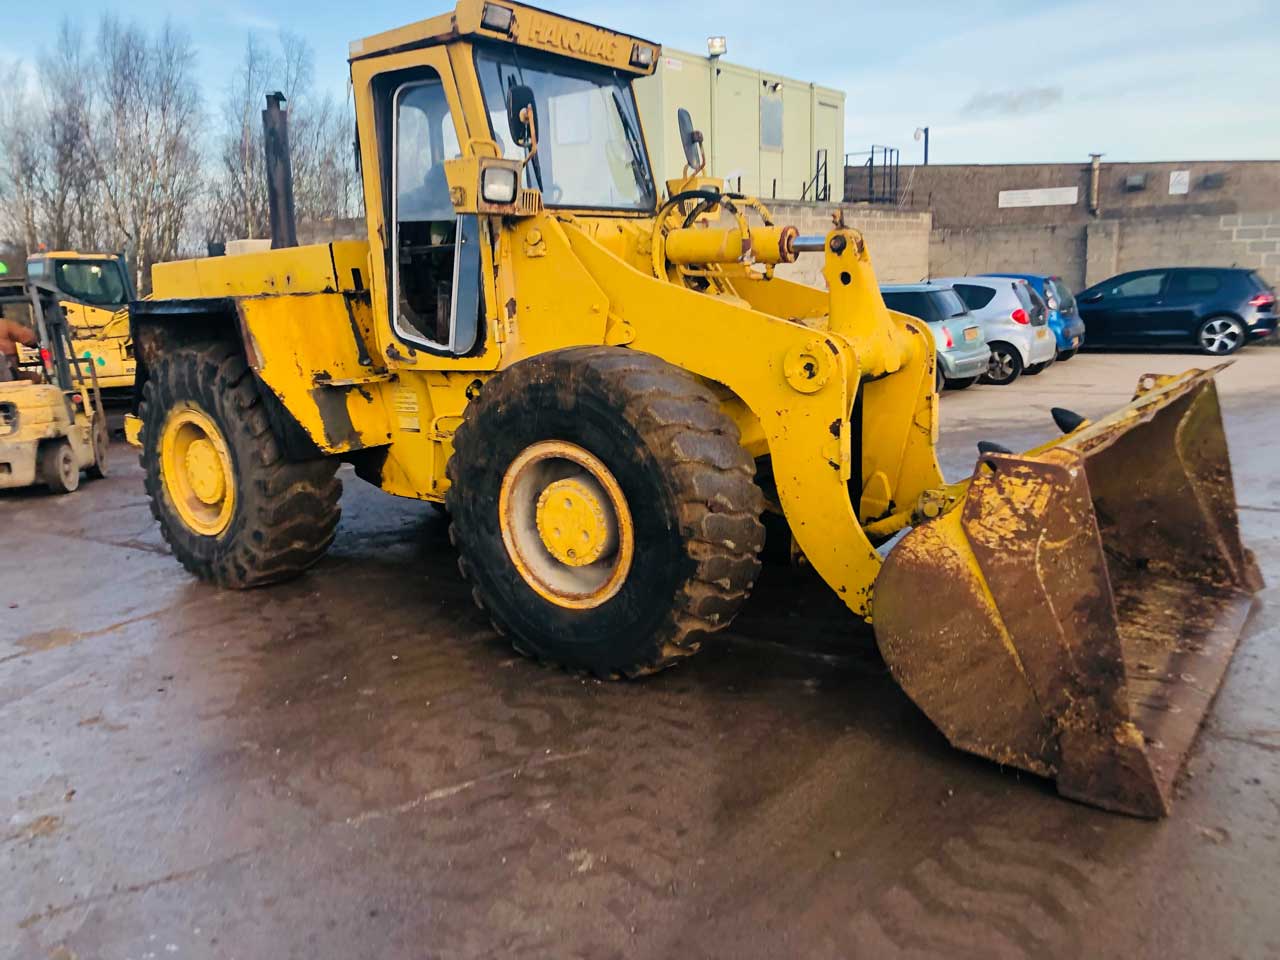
1085,600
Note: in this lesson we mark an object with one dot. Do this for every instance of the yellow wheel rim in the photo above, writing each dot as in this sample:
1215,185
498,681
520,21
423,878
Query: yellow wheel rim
196,470
566,524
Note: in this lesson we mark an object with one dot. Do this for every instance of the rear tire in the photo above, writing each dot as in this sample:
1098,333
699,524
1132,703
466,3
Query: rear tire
682,524
1005,366
1221,336
274,519
964,383
1065,355
58,468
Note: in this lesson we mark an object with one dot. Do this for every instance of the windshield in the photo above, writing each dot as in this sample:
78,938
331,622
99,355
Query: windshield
589,148
96,282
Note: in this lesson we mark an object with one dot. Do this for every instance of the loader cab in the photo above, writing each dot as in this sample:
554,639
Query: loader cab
441,90
93,286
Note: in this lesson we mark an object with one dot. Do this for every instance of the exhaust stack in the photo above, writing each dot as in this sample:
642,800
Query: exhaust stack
275,140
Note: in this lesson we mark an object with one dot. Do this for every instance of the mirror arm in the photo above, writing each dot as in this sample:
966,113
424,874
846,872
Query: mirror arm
526,117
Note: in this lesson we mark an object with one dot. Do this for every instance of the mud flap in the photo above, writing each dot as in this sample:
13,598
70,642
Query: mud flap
1075,614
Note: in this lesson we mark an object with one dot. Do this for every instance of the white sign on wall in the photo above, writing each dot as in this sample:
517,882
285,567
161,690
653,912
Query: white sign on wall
1043,197
1179,181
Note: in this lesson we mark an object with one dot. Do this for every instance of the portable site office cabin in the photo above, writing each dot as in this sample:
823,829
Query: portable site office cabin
767,136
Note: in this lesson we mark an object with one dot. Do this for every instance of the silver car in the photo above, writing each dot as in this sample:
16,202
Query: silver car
961,345
1016,322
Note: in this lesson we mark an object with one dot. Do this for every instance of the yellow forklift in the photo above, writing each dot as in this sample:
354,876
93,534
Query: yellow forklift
52,421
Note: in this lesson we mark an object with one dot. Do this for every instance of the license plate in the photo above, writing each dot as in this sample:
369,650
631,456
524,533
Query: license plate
1041,333
971,333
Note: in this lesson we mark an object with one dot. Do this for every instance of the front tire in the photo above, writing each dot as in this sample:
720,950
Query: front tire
1065,355
1221,336
628,459
58,468
232,509
1005,365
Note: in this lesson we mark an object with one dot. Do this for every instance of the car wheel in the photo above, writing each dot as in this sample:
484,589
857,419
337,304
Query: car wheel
1036,368
1065,355
1005,365
964,383
939,381
1221,335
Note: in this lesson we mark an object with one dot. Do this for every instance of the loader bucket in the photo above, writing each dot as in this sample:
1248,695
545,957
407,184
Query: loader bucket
1074,615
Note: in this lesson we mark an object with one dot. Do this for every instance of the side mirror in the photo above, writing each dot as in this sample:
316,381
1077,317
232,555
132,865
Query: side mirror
519,99
690,139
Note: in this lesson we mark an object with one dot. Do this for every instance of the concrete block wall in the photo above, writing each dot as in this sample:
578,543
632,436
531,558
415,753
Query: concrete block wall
1231,240
1083,254
898,241
1026,249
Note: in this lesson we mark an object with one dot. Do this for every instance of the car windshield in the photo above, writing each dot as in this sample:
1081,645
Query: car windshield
1066,299
589,149
96,282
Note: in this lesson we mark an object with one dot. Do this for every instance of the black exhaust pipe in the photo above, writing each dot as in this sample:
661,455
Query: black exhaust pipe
275,140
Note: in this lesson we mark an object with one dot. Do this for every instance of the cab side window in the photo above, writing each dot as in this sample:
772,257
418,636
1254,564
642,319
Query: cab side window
436,252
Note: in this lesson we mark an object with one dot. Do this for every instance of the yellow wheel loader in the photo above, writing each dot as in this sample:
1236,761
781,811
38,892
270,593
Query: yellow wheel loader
93,291
608,387
52,421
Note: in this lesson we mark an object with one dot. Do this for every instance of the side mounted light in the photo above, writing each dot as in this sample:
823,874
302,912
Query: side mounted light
497,18
498,185
641,55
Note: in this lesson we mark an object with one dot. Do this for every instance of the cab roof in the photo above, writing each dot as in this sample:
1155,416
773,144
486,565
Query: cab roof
70,255
527,26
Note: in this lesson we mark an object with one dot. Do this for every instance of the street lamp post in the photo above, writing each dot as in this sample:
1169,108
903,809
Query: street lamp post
717,47
922,133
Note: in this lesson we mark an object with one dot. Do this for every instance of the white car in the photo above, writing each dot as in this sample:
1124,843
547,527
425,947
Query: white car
1016,322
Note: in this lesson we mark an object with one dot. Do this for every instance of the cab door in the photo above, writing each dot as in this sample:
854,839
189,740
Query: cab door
432,271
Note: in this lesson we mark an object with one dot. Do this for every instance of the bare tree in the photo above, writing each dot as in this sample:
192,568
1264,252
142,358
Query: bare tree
144,145
20,161
106,157
103,146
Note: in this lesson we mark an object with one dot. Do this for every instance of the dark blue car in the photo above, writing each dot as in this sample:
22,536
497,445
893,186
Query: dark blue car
1218,309
1064,317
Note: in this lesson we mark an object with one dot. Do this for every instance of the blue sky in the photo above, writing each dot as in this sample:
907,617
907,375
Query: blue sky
995,80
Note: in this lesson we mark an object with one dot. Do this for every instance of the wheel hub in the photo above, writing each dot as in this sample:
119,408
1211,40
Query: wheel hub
572,521
566,524
204,471
196,470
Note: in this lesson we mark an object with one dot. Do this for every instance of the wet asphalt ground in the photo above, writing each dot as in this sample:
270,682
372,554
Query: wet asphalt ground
355,765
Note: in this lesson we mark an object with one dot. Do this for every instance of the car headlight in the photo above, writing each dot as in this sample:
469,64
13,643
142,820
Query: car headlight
498,185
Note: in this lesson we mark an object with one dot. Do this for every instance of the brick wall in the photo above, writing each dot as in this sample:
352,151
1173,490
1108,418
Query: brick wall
967,195
1083,254
1235,240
